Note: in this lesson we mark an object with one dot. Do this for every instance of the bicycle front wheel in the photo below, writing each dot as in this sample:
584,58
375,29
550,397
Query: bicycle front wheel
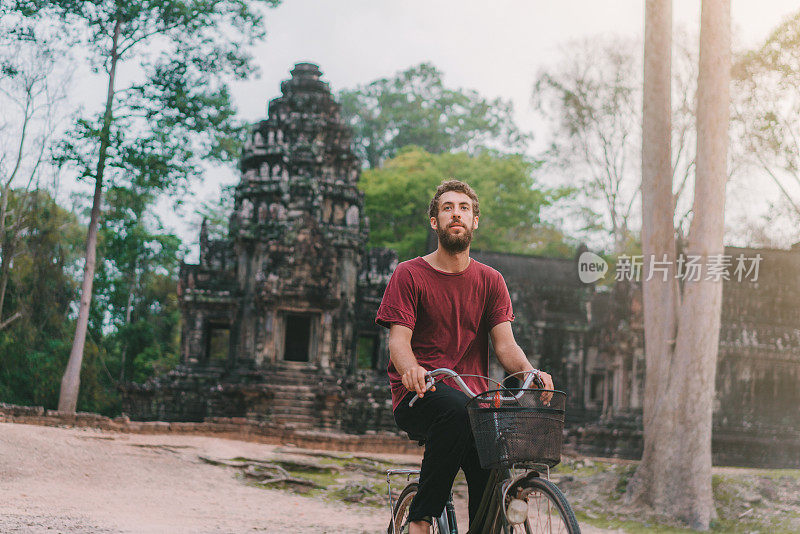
548,509
401,507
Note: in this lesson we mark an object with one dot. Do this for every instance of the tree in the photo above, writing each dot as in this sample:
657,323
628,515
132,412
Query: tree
31,89
159,128
396,199
591,97
135,285
766,115
133,329
682,321
415,108
43,287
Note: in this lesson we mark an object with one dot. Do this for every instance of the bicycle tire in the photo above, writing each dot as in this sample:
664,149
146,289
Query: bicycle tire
548,510
401,506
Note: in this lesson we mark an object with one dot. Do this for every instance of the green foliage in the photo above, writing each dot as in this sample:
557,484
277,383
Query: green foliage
415,108
397,197
180,113
135,287
135,324
35,347
151,138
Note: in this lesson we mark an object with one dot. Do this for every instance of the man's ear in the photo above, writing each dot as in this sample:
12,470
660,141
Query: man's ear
475,226
434,223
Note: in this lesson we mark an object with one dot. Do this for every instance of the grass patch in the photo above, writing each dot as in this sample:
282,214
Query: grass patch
628,525
362,492
621,486
747,500
724,494
583,468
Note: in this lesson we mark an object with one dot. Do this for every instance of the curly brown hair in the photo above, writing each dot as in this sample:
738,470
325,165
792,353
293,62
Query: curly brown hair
459,187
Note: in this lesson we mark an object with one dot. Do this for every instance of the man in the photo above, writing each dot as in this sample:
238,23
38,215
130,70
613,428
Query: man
441,310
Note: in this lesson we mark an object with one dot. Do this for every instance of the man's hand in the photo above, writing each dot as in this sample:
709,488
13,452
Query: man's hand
411,373
547,380
414,380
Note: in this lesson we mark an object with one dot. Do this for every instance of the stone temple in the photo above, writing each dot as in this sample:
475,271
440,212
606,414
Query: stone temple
286,297
278,318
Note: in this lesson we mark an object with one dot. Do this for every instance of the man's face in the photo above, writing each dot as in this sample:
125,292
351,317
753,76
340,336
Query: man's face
455,222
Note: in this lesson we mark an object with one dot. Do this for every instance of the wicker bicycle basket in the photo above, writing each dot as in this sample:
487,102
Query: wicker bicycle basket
525,430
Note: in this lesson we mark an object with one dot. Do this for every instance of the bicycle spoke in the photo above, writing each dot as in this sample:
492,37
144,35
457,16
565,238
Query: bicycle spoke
544,516
402,507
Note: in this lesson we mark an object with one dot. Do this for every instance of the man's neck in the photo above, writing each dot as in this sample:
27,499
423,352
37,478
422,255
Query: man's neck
448,262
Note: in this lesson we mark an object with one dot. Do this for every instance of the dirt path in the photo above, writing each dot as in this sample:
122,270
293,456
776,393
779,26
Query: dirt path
87,481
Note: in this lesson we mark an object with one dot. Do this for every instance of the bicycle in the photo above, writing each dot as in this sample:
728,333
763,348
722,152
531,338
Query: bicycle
517,498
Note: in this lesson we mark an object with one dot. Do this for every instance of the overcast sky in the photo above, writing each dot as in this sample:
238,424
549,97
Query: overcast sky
494,47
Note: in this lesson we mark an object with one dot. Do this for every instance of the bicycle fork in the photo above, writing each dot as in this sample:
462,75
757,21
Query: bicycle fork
447,521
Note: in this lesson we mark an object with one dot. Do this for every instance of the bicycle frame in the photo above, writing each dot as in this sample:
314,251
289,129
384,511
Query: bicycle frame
500,479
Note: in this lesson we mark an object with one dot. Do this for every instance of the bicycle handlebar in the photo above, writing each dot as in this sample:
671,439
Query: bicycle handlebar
431,375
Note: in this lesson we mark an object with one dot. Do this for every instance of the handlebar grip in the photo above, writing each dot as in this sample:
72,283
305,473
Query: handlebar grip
429,382
538,381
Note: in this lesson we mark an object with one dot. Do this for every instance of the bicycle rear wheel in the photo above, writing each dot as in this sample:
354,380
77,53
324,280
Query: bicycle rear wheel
548,509
401,507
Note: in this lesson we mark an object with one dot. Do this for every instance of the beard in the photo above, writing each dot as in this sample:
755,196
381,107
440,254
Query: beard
454,243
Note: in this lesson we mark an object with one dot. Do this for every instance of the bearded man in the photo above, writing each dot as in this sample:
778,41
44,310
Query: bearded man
441,310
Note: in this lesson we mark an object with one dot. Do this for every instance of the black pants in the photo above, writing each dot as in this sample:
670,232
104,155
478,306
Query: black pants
440,418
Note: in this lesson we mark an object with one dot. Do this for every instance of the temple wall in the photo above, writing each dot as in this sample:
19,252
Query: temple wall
278,319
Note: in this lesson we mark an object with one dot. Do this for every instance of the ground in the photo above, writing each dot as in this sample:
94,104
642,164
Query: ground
86,481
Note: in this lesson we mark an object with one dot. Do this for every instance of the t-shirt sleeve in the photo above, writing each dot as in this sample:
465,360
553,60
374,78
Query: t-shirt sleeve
399,303
498,309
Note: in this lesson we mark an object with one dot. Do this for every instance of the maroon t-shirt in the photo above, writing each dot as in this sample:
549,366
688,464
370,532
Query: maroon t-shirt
450,314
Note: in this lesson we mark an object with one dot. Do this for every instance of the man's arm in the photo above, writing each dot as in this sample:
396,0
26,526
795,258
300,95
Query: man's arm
411,373
510,355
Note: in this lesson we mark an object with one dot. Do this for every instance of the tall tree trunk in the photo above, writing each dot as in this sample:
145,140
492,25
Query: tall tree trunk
5,272
658,242
70,383
675,473
134,287
699,320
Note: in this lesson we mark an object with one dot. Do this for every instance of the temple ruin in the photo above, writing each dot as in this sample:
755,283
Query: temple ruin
278,318
279,305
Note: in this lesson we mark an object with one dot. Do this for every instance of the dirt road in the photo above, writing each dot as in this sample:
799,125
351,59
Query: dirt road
86,481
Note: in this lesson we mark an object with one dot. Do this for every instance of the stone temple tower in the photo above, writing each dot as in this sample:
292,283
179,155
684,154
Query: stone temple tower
280,312
297,231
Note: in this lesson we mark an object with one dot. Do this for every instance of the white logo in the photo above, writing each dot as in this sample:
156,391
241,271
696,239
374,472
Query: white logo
591,267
